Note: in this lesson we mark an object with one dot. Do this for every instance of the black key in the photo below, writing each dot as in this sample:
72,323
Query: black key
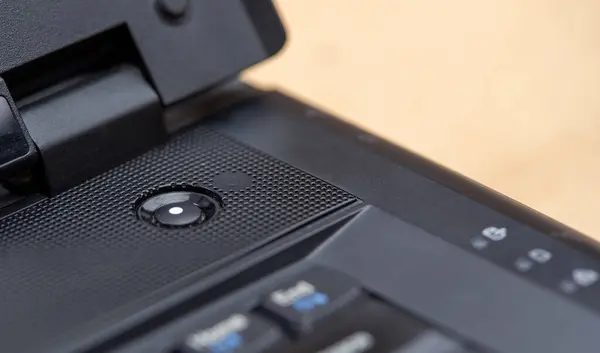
310,297
431,342
238,333
364,327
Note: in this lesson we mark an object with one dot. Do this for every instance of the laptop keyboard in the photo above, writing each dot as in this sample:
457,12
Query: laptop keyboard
321,311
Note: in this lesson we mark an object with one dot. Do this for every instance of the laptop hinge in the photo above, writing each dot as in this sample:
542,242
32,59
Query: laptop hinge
89,124
78,112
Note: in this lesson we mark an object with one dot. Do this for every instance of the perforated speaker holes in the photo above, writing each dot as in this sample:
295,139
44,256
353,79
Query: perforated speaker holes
177,206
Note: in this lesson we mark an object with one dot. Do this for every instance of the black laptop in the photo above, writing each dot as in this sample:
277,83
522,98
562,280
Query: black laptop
151,202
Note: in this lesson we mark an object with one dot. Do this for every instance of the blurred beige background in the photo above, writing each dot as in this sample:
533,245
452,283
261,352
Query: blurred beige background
503,91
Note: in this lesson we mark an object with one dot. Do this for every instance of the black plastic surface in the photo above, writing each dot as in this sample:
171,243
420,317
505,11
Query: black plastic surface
83,254
249,279
342,320
16,148
382,174
457,290
427,209
216,39
471,300
387,175
11,135
84,130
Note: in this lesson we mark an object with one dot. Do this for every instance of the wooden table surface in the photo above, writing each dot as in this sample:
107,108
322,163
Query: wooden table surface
506,92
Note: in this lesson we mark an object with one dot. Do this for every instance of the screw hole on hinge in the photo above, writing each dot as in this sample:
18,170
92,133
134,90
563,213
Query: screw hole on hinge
173,11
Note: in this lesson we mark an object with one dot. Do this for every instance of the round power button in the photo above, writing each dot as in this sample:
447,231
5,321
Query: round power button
174,207
179,215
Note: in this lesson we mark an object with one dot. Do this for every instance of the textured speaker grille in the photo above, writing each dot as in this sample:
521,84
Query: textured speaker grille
83,253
